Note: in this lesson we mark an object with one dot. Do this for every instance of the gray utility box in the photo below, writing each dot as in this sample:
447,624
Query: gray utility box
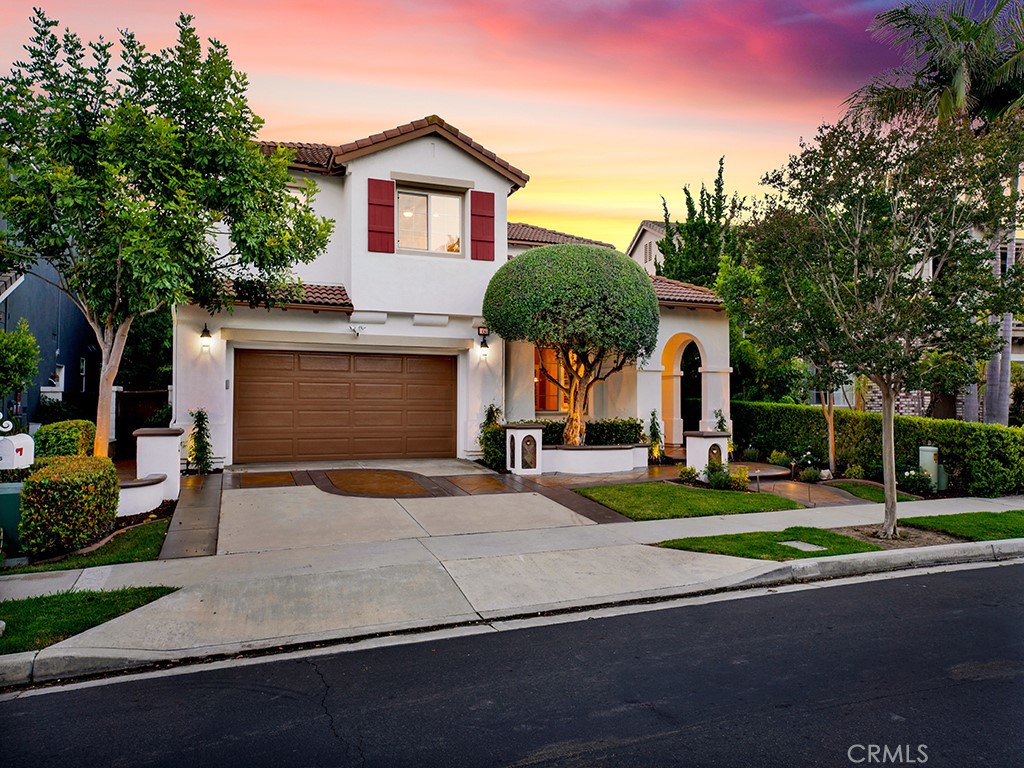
928,460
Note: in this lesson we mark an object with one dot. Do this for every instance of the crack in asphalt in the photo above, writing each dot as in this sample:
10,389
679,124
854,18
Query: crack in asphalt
357,747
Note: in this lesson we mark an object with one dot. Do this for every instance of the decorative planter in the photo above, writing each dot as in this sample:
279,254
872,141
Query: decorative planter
10,515
594,459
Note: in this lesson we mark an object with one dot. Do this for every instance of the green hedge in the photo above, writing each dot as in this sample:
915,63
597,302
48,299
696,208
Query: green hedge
67,504
66,438
980,459
599,432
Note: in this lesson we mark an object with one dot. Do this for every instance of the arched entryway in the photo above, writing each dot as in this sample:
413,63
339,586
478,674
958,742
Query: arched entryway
682,387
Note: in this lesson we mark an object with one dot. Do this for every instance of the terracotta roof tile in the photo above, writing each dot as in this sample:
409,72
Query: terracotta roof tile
331,159
658,227
528,234
677,292
316,295
311,155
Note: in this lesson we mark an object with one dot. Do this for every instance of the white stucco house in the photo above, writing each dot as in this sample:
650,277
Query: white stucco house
643,248
382,356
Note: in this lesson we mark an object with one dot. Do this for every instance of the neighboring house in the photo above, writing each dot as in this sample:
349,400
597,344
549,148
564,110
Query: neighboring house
523,237
643,248
69,358
381,357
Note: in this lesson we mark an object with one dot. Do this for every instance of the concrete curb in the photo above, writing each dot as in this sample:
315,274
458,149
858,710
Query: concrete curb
24,669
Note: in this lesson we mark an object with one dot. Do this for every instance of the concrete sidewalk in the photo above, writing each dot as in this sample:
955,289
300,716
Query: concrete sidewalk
292,592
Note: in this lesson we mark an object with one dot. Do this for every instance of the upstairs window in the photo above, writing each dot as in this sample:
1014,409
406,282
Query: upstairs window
429,221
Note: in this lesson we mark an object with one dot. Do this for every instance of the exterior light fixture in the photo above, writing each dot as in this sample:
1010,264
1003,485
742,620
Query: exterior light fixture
482,332
205,338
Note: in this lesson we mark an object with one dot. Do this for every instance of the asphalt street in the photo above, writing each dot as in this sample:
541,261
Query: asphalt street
923,670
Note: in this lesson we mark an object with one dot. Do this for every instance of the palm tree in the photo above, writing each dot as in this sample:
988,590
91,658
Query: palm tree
959,64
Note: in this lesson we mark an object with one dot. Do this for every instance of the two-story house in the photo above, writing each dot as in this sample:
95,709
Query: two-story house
383,356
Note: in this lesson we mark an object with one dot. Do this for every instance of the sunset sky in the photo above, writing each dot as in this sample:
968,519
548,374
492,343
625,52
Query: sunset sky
607,104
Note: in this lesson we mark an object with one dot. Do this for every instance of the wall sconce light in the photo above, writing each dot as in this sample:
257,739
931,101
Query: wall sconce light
205,338
482,332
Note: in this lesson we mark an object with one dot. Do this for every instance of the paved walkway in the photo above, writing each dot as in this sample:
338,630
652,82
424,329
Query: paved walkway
330,567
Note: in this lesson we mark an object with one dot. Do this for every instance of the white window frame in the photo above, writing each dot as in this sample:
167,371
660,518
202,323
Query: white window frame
429,193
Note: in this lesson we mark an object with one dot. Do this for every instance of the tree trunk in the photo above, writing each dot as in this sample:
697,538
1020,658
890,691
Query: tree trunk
112,342
993,396
575,427
971,403
888,529
1003,406
828,407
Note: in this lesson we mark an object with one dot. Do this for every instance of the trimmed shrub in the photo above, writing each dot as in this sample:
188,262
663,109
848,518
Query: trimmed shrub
854,472
688,474
781,458
915,481
980,459
599,432
738,479
751,454
719,481
66,438
67,504
810,475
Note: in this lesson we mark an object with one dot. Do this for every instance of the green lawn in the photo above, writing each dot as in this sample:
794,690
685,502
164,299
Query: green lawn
867,492
764,545
974,526
37,622
659,501
135,545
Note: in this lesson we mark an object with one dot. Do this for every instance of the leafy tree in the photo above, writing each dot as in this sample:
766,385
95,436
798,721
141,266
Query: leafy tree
127,184
762,370
692,249
19,358
148,354
594,306
960,64
769,300
871,240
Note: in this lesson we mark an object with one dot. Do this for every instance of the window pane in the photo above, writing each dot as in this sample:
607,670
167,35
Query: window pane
445,224
412,221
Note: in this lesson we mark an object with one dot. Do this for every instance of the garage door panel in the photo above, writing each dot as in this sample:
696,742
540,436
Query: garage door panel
378,364
439,419
377,419
265,363
312,405
263,393
432,392
377,391
315,390
335,363
321,420
270,419
327,448
379,446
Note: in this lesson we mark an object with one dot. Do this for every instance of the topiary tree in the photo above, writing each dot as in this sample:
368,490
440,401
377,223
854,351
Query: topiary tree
594,306
19,358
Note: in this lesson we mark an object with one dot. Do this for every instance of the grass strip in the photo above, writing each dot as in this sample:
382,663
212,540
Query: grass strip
973,526
36,622
135,545
660,501
764,545
867,492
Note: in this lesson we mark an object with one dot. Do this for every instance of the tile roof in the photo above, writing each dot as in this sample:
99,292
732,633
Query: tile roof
677,292
431,124
331,159
316,296
657,227
528,234
310,157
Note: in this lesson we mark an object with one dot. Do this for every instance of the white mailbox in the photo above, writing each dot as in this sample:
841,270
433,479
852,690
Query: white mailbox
17,452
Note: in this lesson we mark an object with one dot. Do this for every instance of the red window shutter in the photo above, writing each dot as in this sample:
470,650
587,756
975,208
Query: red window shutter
381,215
481,230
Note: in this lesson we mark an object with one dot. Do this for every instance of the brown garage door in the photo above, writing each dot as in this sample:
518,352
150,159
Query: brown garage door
316,405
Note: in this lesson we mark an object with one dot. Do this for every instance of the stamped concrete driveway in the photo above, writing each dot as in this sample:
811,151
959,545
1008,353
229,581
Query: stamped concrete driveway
261,519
